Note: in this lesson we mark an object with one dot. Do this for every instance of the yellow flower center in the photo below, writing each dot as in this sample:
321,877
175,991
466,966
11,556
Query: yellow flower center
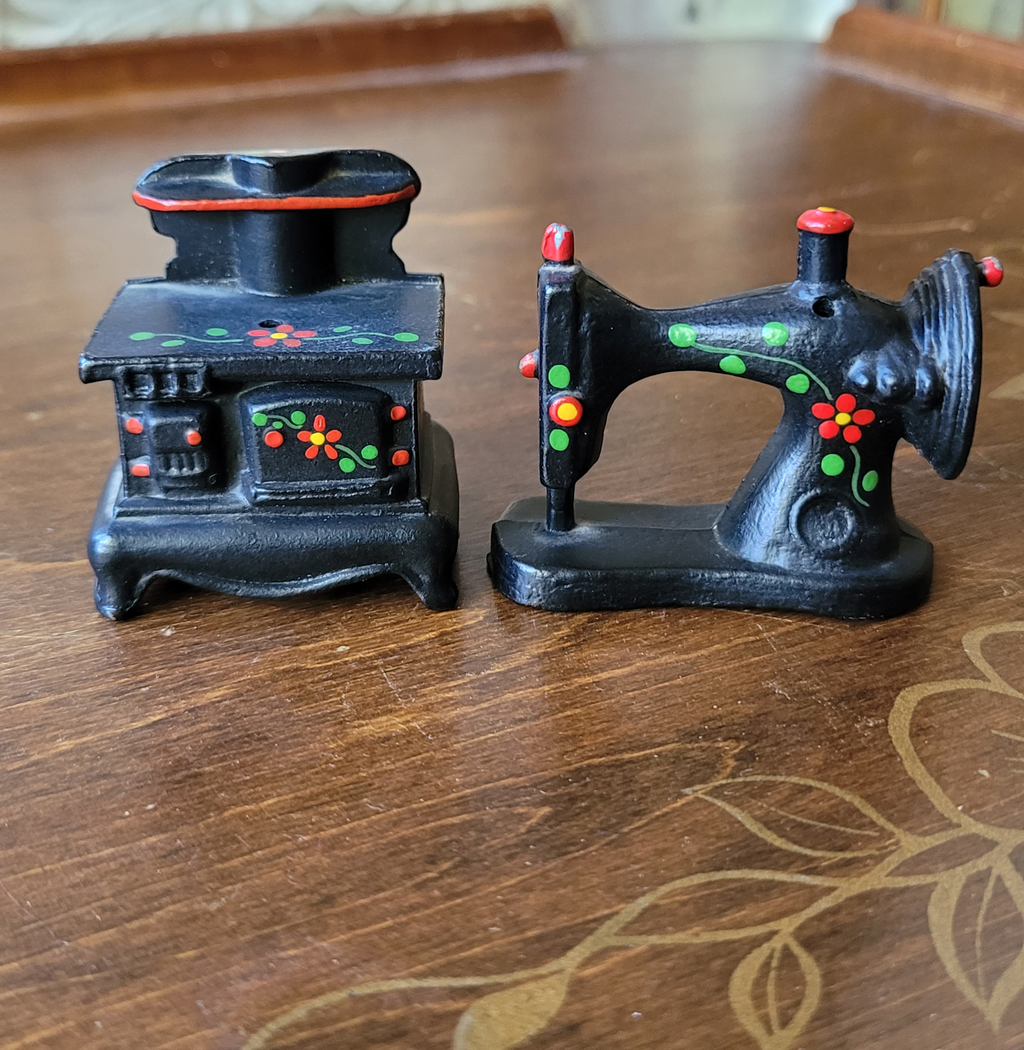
317,439
278,335
843,418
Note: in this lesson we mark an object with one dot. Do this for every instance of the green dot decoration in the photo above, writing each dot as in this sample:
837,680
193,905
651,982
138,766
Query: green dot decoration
733,365
216,331
259,419
278,425
298,418
870,481
775,333
833,465
407,337
362,340
343,328
346,464
558,376
682,335
798,383
140,336
558,440
369,452
173,342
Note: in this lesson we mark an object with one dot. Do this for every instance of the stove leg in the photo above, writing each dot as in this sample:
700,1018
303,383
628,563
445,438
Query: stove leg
116,598
434,586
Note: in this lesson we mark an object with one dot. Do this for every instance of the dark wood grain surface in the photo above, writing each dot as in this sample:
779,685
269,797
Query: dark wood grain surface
348,822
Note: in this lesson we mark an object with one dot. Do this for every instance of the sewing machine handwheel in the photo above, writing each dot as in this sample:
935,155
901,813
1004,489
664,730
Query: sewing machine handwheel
944,309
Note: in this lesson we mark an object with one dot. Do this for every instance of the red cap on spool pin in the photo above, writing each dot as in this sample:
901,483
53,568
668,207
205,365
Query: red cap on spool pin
558,244
824,241
825,220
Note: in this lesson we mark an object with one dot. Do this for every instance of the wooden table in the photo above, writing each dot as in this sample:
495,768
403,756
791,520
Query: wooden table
349,822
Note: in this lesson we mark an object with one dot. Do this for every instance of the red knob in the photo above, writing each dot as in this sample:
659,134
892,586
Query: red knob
991,270
528,365
565,411
558,244
824,220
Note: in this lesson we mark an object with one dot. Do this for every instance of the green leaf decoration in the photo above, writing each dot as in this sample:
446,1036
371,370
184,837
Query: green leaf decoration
682,335
407,337
558,376
775,333
259,419
558,440
833,465
343,328
141,336
798,383
173,342
506,1019
298,418
346,464
870,482
733,365
369,452
216,331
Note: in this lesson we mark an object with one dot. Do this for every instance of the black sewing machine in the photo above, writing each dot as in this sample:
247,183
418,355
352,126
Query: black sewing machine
273,436
812,526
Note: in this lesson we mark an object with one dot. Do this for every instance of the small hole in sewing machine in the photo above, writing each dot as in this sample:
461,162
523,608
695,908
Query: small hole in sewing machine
823,307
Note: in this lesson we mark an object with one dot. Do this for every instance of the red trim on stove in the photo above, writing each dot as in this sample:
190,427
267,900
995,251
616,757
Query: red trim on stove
273,203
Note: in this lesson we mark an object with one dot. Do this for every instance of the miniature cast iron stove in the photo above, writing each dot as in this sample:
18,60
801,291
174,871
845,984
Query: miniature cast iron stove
812,526
273,436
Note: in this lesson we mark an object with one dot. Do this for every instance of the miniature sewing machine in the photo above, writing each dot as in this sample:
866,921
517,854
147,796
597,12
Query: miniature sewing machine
273,437
812,526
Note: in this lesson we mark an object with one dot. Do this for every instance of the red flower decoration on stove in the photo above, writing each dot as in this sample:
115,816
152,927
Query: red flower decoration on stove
319,438
843,416
283,333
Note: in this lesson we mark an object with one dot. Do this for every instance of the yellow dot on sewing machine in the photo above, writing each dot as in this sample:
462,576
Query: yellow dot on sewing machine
842,418
317,439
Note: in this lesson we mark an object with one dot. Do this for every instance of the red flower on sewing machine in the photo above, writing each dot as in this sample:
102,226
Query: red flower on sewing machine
283,333
317,439
844,416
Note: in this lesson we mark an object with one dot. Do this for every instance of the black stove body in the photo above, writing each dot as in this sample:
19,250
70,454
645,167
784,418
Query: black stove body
273,436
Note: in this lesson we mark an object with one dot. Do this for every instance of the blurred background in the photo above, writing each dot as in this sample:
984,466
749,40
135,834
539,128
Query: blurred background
55,23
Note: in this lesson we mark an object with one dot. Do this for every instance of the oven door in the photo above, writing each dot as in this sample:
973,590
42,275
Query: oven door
318,441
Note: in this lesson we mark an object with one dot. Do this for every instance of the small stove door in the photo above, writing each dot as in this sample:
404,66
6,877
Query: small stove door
317,440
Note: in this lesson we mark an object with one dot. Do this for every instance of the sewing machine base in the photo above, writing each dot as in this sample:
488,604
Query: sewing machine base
628,556
278,553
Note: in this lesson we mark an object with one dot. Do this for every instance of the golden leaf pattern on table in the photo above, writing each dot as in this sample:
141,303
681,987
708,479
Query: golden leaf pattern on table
773,1033
942,908
855,829
1012,389
502,1020
858,851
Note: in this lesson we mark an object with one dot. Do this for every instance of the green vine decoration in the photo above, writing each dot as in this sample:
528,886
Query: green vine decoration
286,334
856,478
836,421
684,336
